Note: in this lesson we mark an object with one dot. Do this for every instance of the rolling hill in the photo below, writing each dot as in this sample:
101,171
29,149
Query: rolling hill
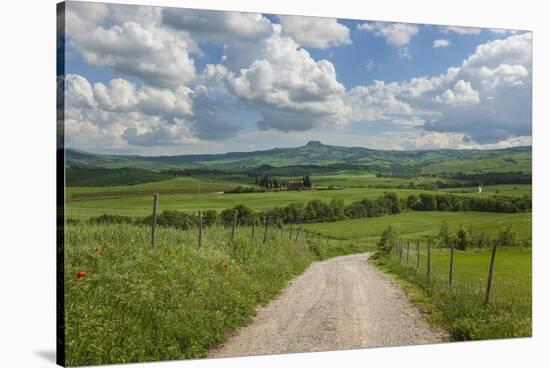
317,154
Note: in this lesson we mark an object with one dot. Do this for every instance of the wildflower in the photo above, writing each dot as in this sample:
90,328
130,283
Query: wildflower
81,274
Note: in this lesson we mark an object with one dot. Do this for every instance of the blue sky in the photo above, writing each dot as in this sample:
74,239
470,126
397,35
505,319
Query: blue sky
150,80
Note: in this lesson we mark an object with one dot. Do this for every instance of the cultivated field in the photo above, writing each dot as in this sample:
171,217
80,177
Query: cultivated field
424,225
130,201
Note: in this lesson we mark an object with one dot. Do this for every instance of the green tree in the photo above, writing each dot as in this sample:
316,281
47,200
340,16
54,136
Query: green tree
507,237
387,241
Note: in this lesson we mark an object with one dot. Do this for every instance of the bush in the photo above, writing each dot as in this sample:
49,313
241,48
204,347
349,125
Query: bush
386,242
507,237
176,219
110,219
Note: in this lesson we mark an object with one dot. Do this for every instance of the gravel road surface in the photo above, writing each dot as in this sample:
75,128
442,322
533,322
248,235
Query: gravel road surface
340,303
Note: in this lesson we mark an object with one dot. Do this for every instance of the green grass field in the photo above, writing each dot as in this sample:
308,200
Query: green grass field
498,163
462,311
422,225
129,200
141,205
177,300
171,186
365,179
489,190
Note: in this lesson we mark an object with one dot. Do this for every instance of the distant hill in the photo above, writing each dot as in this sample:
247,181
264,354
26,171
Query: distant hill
430,162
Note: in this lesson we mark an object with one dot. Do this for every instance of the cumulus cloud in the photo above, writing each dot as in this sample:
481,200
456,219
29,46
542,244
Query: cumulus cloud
396,34
220,26
122,96
462,93
133,45
441,43
289,88
487,99
501,71
120,113
315,32
265,69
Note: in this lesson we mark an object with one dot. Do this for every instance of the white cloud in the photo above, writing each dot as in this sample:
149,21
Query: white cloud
290,89
396,34
315,32
123,96
513,50
461,94
220,26
138,47
461,30
121,114
376,102
487,99
441,43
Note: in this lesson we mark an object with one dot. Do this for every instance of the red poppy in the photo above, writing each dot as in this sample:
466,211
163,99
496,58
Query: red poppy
81,274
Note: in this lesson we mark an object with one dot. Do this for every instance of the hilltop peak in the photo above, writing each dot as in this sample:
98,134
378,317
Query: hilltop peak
314,144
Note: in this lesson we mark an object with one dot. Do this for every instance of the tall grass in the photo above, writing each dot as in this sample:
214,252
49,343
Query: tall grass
461,309
175,301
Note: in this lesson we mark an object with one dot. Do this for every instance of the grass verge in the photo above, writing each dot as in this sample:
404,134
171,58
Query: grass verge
127,302
461,310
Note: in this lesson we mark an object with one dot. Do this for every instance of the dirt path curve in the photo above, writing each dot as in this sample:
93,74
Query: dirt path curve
340,303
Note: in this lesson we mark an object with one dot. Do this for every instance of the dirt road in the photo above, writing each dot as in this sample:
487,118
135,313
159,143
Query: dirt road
340,303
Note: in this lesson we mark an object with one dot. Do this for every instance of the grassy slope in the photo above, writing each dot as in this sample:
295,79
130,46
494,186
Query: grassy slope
174,301
173,185
489,190
462,311
364,179
421,225
433,162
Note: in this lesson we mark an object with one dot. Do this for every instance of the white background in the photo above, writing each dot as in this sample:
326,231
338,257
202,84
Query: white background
27,180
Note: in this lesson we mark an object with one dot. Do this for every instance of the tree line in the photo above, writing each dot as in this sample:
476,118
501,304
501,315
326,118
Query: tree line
267,182
322,211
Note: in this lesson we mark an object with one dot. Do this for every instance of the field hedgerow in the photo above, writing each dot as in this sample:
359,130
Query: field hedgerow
128,302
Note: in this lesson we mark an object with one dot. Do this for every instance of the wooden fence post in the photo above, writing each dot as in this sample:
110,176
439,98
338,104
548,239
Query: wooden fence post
253,229
396,249
235,215
451,266
200,229
418,255
428,266
408,246
154,220
298,233
266,228
490,277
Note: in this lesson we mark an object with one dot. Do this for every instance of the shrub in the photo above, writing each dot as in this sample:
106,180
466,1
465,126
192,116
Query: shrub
507,237
110,219
386,242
